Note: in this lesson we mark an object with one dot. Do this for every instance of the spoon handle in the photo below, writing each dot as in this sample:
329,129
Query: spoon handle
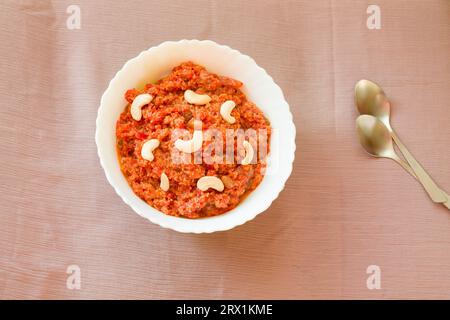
404,165
447,203
435,193
411,172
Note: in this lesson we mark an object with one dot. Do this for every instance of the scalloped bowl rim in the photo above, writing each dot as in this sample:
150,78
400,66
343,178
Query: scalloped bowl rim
258,200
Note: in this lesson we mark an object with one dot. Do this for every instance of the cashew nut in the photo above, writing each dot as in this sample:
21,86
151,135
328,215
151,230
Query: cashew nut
225,111
190,146
195,98
206,182
138,102
248,153
164,184
147,149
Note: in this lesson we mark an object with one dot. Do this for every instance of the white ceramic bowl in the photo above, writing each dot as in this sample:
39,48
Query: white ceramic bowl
259,87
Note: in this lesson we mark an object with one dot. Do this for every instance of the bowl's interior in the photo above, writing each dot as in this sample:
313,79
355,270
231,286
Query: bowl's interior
153,64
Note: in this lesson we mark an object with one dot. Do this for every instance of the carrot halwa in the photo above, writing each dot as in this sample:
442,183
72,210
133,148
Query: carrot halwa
167,111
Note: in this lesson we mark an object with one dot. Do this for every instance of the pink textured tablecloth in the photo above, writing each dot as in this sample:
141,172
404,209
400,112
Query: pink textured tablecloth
341,211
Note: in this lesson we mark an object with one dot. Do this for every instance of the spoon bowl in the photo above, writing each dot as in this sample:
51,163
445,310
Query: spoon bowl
374,136
376,139
370,99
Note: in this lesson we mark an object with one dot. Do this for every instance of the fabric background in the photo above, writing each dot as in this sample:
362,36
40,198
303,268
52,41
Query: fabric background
341,210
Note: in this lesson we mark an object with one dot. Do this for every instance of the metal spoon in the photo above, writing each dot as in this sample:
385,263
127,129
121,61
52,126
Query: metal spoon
376,140
371,100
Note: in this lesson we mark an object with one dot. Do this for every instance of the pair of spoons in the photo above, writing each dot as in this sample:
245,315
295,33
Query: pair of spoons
376,135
